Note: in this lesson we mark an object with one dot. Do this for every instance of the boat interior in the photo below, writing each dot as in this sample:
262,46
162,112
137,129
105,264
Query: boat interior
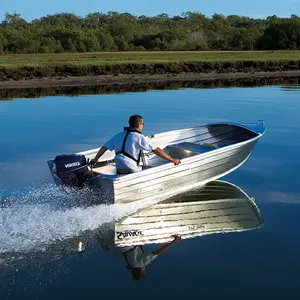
150,160
190,143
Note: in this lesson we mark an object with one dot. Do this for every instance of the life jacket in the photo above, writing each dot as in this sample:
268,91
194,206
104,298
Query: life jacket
129,266
128,131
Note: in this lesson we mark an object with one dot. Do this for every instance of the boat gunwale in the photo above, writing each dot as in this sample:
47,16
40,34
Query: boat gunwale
166,133
184,162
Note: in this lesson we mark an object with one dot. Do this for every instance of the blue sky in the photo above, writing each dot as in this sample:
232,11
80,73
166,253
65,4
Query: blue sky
31,9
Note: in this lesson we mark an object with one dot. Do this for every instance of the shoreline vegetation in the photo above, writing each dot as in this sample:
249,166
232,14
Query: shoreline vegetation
107,49
105,68
113,32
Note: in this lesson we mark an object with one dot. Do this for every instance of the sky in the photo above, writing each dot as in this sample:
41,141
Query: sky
34,9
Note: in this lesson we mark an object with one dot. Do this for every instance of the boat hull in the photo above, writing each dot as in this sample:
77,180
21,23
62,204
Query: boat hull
173,180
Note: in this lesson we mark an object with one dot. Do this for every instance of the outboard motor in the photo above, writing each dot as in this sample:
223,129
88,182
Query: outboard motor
71,169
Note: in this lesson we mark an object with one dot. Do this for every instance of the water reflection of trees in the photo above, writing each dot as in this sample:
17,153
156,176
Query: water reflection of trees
288,83
291,88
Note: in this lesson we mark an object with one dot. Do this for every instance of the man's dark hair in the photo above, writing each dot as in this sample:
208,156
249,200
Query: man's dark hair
138,273
135,121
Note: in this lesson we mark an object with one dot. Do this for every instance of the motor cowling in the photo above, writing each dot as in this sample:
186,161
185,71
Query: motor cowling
71,169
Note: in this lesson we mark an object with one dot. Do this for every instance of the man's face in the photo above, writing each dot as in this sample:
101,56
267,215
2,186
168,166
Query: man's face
141,125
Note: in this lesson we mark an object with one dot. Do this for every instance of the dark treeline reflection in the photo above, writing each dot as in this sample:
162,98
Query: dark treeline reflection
10,94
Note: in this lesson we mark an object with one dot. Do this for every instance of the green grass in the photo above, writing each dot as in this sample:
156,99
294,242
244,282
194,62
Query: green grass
116,58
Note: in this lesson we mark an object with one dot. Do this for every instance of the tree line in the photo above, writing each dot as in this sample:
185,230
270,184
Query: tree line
126,32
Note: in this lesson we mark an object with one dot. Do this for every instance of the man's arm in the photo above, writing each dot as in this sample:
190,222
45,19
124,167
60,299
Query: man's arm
161,153
164,248
103,244
101,151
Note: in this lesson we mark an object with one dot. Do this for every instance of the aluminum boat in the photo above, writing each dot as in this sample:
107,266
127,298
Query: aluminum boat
206,152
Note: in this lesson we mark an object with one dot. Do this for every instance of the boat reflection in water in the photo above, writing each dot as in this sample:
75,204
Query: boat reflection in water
217,207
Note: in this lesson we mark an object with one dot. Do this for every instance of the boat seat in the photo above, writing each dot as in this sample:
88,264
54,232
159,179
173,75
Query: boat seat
195,148
106,170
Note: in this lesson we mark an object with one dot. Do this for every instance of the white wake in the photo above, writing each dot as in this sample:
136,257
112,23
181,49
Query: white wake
40,217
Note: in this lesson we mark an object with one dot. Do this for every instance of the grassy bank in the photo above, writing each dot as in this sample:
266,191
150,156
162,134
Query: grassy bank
105,58
31,66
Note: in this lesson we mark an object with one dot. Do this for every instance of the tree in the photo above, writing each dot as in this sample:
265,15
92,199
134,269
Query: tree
14,21
282,34
1,43
115,31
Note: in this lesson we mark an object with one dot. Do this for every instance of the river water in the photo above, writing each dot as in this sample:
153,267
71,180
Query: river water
50,239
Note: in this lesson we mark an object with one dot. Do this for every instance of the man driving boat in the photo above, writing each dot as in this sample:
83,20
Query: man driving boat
129,146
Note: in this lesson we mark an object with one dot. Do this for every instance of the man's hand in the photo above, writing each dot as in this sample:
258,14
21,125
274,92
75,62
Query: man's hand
177,239
101,151
161,153
176,161
164,248
105,247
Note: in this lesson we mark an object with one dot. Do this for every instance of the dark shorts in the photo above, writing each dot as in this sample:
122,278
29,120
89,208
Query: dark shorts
123,171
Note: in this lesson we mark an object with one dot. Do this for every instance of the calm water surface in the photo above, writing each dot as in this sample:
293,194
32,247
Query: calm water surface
41,225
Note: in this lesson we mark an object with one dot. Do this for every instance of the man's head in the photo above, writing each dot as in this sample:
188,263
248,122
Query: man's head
138,273
136,121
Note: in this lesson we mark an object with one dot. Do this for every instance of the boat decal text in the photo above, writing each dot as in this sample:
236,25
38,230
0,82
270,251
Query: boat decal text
132,233
75,164
196,227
